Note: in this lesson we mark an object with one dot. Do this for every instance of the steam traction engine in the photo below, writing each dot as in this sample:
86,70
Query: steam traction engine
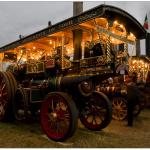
45,80
59,96
116,89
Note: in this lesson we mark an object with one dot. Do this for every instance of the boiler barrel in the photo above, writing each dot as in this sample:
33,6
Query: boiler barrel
61,83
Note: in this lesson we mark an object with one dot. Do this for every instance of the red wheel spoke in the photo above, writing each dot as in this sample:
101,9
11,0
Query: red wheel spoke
3,86
94,120
3,94
67,116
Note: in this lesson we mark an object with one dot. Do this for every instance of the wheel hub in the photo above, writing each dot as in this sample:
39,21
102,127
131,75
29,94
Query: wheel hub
54,115
94,110
57,115
118,107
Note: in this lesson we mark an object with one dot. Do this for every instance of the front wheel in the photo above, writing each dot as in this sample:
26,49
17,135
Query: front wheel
97,112
58,116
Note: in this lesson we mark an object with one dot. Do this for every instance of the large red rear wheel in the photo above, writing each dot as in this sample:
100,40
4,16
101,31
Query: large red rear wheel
5,95
58,116
18,98
13,89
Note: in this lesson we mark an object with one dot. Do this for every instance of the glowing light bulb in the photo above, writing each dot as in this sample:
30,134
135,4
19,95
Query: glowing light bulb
134,61
131,34
34,47
50,42
115,22
121,26
24,59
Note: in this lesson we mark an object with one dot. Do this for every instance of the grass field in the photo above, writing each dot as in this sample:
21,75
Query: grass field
116,135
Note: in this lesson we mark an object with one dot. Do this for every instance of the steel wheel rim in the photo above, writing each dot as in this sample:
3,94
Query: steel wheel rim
94,114
19,114
55,117
4,95
119,108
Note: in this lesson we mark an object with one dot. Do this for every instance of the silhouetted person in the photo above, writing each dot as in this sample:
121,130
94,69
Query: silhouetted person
132,98
97,50
87,49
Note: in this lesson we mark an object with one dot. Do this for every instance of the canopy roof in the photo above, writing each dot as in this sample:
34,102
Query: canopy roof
110,12
129,21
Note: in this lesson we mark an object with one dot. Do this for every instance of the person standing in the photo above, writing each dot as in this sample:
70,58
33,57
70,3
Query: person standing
132,98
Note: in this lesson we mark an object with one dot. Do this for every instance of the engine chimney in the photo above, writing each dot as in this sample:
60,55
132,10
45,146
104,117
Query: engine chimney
77,34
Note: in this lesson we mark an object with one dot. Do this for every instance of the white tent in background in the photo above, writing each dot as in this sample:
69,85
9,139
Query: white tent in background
143,47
